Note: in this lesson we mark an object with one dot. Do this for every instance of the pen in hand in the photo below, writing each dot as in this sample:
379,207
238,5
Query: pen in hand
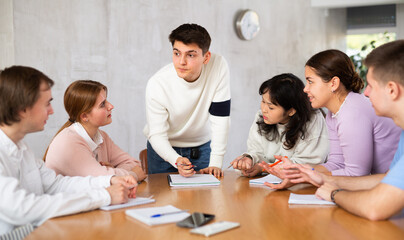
275,163
181,164
238,159
169,213
272,165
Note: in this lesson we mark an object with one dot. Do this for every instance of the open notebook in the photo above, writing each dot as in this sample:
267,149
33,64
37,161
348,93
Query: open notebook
307,199
196,180
268,178
145,215
131,202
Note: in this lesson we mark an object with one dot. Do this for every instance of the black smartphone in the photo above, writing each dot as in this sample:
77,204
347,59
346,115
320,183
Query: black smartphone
195,220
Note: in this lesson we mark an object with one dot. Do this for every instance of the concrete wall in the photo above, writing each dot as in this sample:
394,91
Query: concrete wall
400,21
6,33
123,42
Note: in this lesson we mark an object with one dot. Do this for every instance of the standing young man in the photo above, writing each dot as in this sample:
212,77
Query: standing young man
182,99
378,196
30,192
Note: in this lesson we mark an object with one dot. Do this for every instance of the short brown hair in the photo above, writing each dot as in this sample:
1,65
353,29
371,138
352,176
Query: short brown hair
19,90
191,33
334,63
387,62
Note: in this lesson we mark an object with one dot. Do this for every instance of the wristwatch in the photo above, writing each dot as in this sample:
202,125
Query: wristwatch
335,192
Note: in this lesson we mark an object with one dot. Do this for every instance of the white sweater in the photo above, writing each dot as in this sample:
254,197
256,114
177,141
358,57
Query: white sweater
32,193
313,149
177,111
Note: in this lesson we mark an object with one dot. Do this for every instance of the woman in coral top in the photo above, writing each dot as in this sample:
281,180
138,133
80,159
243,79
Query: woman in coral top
80,148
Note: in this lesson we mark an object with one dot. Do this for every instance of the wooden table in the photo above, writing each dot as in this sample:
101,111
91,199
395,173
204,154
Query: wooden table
263,214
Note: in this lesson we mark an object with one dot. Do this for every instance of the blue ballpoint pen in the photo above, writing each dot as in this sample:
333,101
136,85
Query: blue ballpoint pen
169,213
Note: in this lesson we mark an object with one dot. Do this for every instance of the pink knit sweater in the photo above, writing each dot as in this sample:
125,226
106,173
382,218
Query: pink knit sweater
70,155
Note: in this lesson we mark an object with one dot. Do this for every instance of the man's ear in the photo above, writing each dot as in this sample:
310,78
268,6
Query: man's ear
393,90
23,113
206,57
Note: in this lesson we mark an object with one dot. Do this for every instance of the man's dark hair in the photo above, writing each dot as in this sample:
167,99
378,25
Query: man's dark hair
191,33
387,62
19,90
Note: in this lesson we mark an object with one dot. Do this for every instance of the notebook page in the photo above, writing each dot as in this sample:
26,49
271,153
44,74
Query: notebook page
268,178
144,215
131,202
307,199
194,180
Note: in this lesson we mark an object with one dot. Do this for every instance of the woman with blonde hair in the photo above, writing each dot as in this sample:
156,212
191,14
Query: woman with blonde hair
80,148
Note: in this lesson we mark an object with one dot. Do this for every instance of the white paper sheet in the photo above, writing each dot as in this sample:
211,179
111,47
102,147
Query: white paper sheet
131,202
307,199
268,178
144,215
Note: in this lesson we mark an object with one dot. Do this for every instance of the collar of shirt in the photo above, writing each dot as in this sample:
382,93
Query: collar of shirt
12,149
342,105
83,133
281,128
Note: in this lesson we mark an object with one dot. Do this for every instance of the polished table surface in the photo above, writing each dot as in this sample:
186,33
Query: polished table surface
263,214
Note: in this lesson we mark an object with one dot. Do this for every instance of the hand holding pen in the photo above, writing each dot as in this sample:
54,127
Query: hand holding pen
242,162
185,167
181,164
276,168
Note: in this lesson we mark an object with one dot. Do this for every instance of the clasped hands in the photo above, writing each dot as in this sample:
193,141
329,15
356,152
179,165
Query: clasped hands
186,169
122,188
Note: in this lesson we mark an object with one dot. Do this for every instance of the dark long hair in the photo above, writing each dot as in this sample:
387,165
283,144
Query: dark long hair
286,90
